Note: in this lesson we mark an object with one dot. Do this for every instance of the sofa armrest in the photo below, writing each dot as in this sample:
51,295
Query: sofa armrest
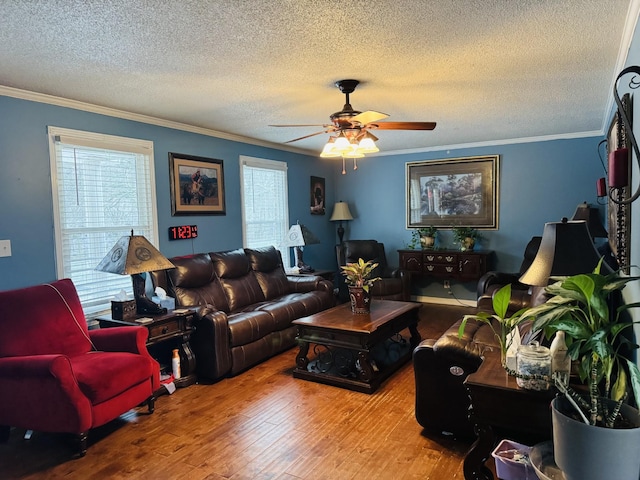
210,343
29,381
120,339
308,283
498,279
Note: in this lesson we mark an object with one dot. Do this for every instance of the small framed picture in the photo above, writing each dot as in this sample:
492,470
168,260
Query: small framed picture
317,196
197,185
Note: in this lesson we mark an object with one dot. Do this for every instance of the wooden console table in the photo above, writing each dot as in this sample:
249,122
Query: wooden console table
446,264
499,405
166,332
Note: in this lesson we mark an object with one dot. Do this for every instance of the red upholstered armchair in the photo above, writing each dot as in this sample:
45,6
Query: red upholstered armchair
58,376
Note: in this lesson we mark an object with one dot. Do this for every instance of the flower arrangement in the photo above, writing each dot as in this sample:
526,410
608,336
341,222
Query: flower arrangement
358,274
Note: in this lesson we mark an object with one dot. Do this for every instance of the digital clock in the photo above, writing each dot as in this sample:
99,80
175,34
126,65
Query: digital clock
183,232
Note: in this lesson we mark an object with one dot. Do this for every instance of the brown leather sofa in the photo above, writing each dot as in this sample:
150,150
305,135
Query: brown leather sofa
394,283
441,365
246,306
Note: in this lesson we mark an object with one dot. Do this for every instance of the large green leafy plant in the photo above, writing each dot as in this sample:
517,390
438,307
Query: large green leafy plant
501,324
580,306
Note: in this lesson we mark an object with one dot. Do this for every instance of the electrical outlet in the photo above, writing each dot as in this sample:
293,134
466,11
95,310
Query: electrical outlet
447,285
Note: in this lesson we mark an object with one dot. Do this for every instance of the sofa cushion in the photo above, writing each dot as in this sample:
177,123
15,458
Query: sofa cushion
236,278
247,327
194,282
267,266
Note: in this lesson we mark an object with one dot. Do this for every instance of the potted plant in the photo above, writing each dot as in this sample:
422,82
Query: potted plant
428,236
359,279
502,326
466,237
600,446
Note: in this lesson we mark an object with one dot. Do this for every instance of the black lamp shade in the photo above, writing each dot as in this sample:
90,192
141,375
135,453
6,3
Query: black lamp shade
566,249
591,215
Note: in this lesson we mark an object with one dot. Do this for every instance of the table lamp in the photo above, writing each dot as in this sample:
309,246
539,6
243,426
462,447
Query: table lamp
134,255
341,214
297,237
591,215
566,249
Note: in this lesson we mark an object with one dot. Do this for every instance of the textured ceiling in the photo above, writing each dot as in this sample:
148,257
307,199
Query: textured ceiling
484,70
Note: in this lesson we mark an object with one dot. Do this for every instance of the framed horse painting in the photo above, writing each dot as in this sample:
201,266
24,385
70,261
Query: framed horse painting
197,185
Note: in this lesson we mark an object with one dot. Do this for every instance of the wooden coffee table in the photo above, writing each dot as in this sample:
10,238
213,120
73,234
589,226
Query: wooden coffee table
357,352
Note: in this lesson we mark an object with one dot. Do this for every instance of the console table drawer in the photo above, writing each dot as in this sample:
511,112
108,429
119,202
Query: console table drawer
159,330
435,269
449,264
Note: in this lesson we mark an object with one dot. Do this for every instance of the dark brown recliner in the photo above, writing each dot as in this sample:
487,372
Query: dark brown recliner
441,365
394,284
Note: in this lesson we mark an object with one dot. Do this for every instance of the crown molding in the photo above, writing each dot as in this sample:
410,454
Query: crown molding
136,117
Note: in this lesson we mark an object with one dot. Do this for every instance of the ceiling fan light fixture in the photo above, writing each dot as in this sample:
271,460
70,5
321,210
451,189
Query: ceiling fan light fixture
342,144
329,149
367,145
354,152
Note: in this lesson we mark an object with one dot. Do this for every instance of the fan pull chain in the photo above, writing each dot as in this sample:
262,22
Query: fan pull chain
344,170
355,163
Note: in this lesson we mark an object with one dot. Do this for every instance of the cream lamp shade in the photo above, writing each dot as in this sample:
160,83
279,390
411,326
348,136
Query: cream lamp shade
341,213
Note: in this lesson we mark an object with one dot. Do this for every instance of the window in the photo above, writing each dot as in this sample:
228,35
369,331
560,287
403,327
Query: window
265,211
103,187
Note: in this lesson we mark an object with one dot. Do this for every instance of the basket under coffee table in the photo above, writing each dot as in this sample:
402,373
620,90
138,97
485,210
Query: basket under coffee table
357,352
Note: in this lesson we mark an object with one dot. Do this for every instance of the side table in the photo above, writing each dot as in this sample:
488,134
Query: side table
166,332
498,404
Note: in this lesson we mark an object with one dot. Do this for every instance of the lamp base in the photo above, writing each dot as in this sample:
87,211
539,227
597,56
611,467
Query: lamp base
144,306
303,267
340,232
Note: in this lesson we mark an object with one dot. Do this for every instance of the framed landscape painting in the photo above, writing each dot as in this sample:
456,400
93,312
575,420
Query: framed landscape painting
460,192
197,185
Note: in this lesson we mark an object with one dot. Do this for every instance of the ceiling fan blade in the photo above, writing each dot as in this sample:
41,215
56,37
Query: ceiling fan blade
403,125
302,125
307,136
368,117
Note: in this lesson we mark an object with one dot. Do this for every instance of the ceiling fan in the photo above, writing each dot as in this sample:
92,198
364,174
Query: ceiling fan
354,137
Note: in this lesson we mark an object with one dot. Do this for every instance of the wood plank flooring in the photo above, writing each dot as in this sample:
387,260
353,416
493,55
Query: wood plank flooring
261,424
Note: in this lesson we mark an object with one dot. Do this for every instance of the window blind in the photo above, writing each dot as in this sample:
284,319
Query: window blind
265,211
103,187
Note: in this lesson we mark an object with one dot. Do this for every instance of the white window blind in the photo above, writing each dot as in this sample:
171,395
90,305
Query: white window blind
265,210
103,187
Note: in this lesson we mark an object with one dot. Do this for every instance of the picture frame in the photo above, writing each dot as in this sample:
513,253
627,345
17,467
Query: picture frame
197,185
458,192
619,215
317,194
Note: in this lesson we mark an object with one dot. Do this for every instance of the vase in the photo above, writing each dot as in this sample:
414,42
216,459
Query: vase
467,244
360,300
587,452
427,242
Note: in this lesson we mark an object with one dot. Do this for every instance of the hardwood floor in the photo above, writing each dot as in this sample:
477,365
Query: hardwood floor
261,424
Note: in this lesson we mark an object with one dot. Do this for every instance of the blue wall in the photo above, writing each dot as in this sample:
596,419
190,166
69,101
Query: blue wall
25,188
539,182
